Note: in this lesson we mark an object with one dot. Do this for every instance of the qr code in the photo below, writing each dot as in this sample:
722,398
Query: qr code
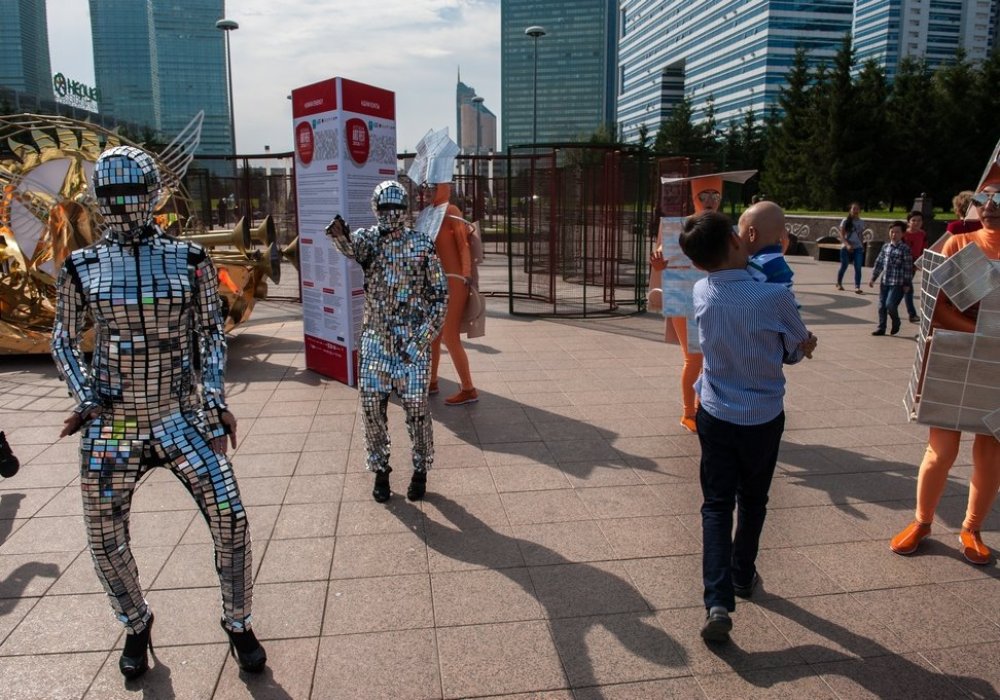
327,144
383,149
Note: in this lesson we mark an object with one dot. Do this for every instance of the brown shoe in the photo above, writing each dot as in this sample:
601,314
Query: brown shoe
908,539
462,397
973,548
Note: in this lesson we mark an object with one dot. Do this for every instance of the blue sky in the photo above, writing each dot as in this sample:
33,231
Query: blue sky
412,47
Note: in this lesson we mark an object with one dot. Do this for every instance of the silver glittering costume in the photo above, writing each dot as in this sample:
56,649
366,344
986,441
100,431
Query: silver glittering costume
158,329
406,295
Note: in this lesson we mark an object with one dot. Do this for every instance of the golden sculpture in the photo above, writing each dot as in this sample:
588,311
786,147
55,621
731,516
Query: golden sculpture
46,211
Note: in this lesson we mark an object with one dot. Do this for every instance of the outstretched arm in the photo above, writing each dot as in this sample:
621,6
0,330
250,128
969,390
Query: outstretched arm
356,246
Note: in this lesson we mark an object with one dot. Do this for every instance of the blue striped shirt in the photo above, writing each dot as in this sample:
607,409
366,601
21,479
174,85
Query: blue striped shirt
748,330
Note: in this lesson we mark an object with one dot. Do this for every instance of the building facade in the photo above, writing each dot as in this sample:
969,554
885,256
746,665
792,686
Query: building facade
887,31
476,125
24,48
732,54
575,70
159,62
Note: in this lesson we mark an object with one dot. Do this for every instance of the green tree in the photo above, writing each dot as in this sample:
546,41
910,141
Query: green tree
869,129
907,155
678,133
787,163
955,148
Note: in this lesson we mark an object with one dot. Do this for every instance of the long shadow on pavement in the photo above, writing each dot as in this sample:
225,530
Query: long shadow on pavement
14,585
864,662
631,624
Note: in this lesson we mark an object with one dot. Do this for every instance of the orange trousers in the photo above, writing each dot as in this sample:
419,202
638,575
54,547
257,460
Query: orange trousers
942,449
458,297
691,369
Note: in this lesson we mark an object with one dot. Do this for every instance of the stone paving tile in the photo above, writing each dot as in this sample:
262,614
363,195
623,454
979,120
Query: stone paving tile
306,559
561,543
64,624
59,534
484,596
544,506
378,604
786,683
12,611
507,658
379,555
79,577
306,520
283,610
30,575
890,677
400,664
182,672
572,590
51,676
289,673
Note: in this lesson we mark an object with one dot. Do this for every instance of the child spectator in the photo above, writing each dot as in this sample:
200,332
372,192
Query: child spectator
747,331
762,228
896,260
917,240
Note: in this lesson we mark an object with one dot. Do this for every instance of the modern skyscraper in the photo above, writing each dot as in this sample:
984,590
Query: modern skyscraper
889,30
734,53
24,48
160,62
476,124
576,69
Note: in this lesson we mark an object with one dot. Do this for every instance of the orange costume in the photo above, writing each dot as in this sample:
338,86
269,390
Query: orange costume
706,193
943,444
452,245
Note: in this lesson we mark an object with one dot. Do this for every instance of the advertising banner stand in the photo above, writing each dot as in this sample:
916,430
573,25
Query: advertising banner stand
345,144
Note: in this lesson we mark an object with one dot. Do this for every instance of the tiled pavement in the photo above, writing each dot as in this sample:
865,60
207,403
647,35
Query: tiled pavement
557,554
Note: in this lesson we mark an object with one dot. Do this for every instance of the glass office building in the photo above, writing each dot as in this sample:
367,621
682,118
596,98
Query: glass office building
733,52
24,48
889,30
576,69
160,62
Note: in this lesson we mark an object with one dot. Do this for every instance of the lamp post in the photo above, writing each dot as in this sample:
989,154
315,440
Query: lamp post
535,32
227,26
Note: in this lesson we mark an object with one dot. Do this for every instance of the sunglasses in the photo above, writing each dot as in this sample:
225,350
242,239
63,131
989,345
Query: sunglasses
981,199
709,196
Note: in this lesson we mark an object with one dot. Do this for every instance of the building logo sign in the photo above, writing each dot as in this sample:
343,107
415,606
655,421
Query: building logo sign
304,142
73,92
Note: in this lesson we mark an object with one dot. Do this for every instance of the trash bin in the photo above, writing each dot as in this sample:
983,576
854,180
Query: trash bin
872,249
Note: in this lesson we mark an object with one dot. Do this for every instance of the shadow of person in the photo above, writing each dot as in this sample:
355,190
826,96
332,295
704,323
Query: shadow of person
156,683
263,685
10,503
871,480
589,598
575,447
12,587
861,660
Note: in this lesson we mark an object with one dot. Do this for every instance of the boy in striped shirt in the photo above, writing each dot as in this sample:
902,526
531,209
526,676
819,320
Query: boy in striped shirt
748,331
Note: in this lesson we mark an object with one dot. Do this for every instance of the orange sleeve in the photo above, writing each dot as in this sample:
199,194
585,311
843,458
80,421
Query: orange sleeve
442,194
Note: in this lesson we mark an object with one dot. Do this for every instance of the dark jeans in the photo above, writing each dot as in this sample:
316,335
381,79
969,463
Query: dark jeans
908,298
888,304
737,463
857,256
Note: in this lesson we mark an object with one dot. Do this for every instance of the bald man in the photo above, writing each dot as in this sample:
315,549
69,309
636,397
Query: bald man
762,228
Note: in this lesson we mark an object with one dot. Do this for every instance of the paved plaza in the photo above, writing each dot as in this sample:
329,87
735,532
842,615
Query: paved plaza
557,554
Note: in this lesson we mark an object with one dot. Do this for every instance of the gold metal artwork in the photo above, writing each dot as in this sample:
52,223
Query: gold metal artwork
46,211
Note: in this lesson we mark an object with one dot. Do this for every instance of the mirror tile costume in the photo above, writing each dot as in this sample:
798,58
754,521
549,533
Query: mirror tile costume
405,305
158,333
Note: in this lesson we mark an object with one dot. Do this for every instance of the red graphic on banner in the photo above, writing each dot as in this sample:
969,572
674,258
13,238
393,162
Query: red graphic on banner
304,142
358,143
314,99
367,99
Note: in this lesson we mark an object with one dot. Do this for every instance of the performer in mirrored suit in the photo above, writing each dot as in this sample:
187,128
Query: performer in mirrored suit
158,330
406,295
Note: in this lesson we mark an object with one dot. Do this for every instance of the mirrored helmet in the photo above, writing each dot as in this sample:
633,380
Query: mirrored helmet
126,185
389,203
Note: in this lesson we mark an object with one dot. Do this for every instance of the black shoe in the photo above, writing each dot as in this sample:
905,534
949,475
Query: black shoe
747,591
880,331
717,625
133,661
894,330
244,647
418,486
8,462
914,319
381,492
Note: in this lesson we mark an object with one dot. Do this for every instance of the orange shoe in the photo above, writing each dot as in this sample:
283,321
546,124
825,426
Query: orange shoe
433,388
973,548
462,397
688,422
909,538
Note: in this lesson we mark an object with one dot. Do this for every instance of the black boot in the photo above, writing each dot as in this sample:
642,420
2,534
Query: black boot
418,486
133,661
381,491
245,648
8,462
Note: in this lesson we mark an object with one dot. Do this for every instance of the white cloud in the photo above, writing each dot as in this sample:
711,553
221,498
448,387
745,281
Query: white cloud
412,47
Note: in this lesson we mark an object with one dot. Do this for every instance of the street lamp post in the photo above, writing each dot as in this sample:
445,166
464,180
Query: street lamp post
227,26
535,32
